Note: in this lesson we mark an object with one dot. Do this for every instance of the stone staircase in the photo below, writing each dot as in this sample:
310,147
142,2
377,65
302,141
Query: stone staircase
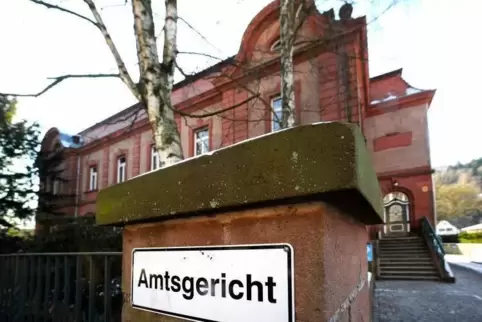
406,258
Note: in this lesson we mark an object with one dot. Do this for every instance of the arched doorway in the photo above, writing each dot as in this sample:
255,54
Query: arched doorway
396,215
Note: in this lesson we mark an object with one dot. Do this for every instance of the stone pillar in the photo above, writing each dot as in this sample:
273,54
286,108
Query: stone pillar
311,190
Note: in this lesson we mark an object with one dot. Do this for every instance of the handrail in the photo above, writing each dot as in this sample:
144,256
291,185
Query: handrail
428,230
436,245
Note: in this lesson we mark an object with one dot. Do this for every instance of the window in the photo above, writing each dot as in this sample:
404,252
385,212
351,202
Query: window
121,169
155,159
276,114
201,141
93,178
56,187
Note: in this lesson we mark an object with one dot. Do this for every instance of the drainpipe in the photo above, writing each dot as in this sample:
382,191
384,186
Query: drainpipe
77,189
434,201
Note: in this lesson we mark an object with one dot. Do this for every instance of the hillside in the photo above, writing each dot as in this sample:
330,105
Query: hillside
461,173
459,193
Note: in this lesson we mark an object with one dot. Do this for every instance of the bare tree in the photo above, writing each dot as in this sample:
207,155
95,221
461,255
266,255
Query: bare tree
155,85
156,81
287,35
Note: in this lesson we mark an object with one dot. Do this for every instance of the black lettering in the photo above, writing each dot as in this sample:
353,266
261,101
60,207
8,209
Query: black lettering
213,286
270,284
188,290
202,286
157,280
223,284
252,288
143,279
231,289
249,288
175,287
166,279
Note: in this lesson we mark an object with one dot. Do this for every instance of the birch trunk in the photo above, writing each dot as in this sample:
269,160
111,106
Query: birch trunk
156,80
287,27
171,135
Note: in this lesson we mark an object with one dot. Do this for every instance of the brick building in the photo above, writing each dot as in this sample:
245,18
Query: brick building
331,83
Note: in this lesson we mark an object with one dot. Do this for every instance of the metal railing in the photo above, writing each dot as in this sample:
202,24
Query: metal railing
436,246
53,287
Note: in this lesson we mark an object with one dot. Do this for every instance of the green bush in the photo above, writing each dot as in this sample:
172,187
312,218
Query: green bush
473,238
65,235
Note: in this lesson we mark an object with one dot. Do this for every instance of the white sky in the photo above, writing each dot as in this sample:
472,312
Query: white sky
435,41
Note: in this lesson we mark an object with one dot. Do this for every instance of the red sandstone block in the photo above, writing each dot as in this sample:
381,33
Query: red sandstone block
392,141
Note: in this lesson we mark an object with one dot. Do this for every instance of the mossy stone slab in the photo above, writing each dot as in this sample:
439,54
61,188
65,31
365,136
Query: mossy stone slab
324,161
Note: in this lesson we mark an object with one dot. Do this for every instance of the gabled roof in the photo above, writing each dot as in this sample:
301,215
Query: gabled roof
393,73
390,87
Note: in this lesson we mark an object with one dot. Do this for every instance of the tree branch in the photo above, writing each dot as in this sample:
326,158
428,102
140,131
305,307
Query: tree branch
197,32
236,81
99,24
123,73
217,112
53,6
300,17
58,79
199,54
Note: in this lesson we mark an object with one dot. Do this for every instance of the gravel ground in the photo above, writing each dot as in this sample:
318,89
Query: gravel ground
408,301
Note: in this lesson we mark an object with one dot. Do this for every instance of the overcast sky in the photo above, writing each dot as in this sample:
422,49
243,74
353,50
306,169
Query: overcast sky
435,41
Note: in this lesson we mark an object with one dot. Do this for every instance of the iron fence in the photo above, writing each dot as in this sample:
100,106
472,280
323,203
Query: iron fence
66,287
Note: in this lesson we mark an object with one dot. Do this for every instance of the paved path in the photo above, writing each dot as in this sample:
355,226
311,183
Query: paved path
408,301
461,260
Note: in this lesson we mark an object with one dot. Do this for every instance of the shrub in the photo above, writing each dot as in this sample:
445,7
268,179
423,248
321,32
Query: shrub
475,237
68,235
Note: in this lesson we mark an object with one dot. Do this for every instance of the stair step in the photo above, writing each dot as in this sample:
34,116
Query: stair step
401,250
401,240
407,273
416,270
405,252
396,251
428,262
401,237
402,277
401,254
402,243
406,256
403,246
405,266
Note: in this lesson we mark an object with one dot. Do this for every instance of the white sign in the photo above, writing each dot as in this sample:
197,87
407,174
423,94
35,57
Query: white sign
216,283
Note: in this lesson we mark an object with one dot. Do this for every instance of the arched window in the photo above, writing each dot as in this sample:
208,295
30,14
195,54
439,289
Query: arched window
395,195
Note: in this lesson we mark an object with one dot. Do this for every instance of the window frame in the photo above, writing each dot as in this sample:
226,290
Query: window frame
197,140
273,112
155,159
56,187
120,166
93,178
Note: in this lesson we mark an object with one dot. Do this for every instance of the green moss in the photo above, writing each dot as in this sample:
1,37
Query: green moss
305,161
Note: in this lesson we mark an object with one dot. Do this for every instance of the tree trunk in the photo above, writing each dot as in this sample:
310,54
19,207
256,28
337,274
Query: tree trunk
287,27
156,80
171,136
